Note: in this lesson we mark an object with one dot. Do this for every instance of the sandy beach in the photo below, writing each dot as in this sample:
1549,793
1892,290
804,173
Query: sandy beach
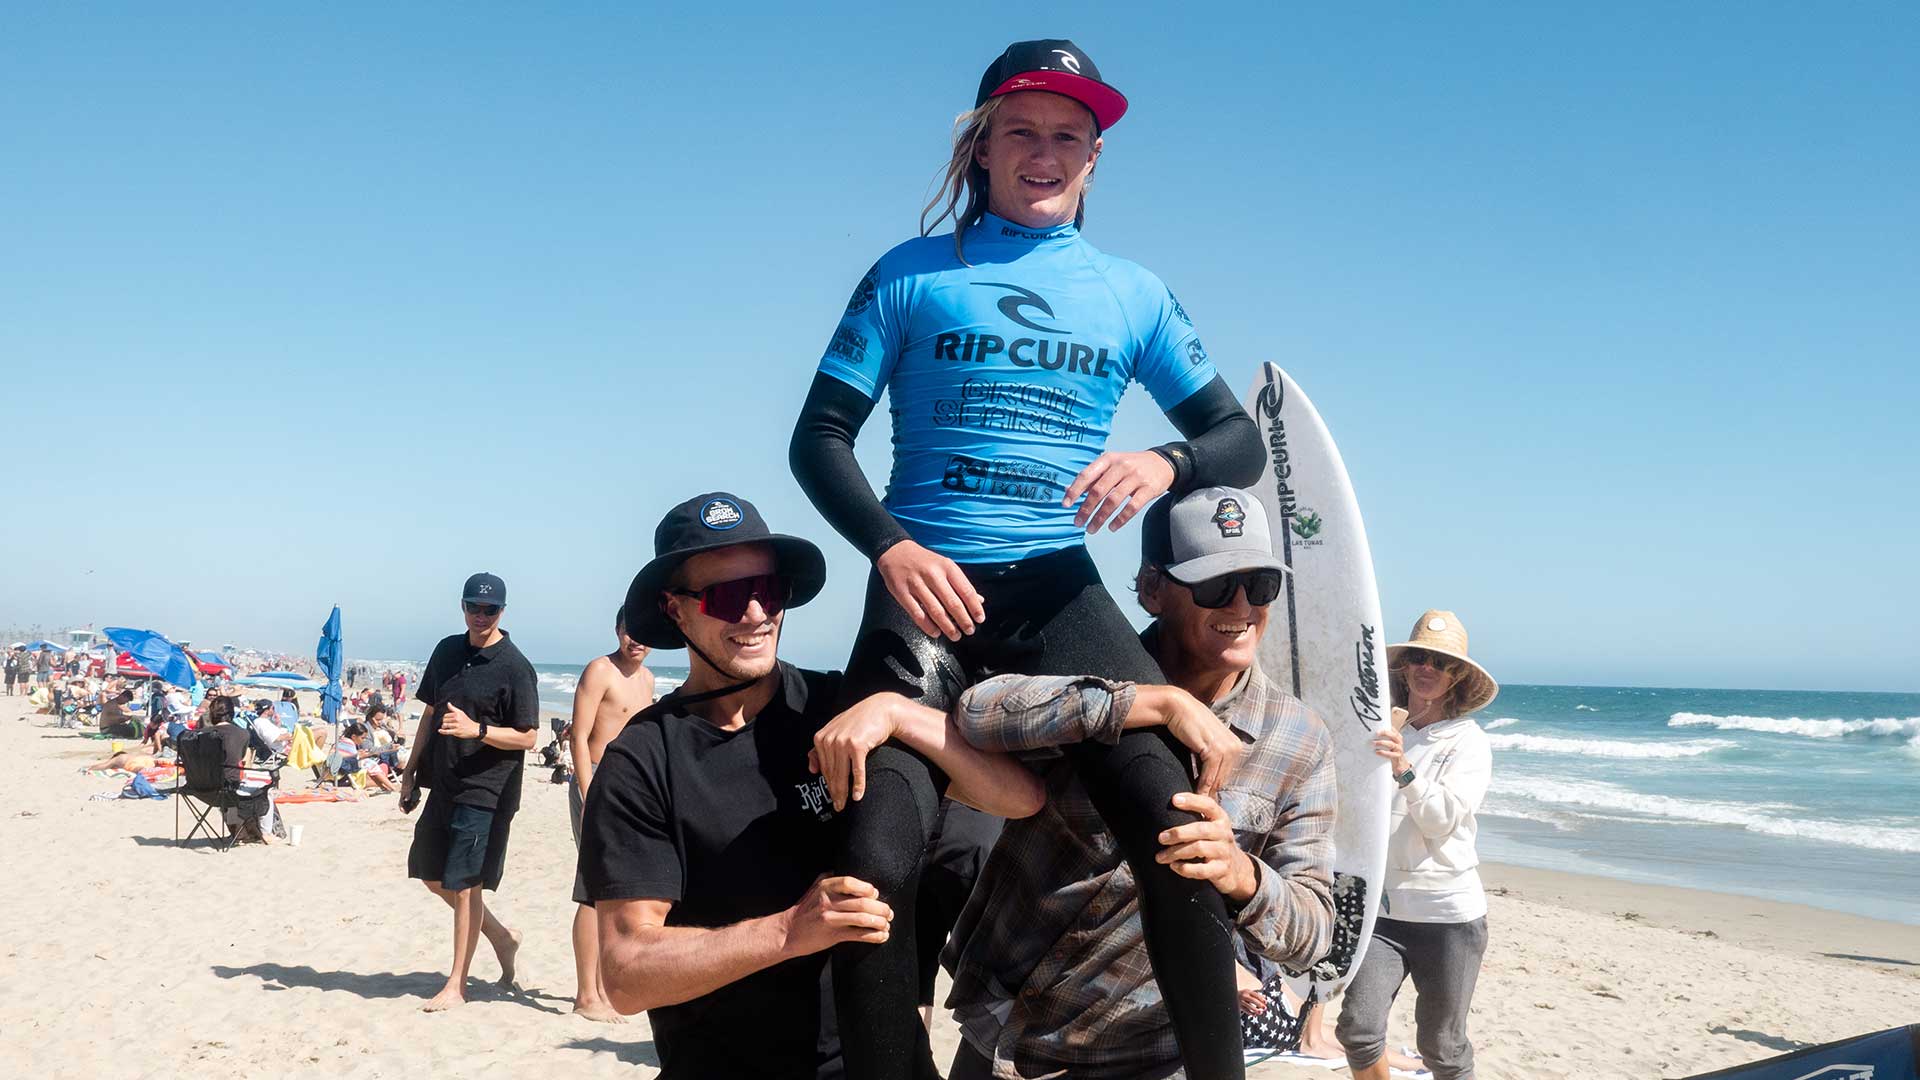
140,958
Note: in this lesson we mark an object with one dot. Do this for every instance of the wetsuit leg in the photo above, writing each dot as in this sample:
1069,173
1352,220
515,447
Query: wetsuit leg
884,842
1132,783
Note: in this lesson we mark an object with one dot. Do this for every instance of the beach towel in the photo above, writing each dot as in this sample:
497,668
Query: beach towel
137,788
316,795
1893,1054
302,754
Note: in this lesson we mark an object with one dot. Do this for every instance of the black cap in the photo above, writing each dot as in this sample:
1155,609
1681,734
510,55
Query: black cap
1058,66
708,523
484,588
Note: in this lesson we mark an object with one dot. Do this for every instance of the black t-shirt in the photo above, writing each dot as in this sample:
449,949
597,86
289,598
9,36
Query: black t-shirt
727,826
233,739
496,686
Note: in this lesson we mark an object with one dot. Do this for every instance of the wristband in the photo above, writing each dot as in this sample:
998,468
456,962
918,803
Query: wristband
483,730
1180,456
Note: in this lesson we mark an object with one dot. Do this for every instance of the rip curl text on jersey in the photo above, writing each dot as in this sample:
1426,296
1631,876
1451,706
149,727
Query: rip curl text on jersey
1004,375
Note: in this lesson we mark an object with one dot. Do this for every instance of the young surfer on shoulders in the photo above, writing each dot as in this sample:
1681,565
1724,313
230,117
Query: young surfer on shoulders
1005,347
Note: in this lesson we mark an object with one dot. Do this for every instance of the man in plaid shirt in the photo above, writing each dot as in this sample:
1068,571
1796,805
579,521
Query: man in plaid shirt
1051,974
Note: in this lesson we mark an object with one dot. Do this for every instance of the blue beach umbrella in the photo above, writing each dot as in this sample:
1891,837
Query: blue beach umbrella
155,653
44,645
279,680
331,657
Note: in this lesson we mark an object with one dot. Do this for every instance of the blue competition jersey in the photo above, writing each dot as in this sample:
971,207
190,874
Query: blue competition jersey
1004,376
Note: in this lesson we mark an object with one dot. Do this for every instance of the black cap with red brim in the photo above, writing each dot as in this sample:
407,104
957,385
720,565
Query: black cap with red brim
1056,66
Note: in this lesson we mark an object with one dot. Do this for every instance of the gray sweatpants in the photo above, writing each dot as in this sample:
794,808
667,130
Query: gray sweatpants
1444,960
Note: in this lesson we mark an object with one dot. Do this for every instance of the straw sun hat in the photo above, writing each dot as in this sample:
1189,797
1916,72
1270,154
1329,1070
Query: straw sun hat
1440,632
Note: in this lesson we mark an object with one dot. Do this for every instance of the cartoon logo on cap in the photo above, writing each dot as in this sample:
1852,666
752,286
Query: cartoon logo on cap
720,514
1231,518
1068,60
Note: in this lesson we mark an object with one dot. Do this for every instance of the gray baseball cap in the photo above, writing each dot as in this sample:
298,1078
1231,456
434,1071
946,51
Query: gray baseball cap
1206,533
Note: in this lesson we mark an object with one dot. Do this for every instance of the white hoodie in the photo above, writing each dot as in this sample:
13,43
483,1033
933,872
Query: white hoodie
1431,860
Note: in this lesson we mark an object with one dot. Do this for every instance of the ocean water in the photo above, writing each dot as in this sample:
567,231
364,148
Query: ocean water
1798,796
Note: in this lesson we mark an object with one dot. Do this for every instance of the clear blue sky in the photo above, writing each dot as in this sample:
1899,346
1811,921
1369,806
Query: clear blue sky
1615,308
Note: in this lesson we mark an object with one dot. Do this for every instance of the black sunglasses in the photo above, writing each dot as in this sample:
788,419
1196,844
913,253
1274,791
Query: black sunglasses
1437,661
1217,592
488,610
728,600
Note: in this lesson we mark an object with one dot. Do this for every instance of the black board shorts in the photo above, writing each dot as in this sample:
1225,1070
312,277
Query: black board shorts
458,846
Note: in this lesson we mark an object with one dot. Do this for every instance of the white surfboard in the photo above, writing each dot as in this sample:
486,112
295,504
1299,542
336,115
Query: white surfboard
1325,645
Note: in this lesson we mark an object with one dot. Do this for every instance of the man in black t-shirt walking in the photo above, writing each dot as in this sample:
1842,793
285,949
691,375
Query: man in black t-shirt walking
482,711
708,837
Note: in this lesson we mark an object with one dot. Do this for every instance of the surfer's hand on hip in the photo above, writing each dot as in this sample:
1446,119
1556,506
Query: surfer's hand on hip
1119,484
932,590
1388,744
1205,851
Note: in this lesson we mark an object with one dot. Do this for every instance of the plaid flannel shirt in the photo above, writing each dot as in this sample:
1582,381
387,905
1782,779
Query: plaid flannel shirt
1051,975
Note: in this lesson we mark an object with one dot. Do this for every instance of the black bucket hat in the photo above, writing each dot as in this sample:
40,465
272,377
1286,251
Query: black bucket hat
710,522
1058,66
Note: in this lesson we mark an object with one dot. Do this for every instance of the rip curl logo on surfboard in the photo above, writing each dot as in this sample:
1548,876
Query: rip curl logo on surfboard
1231,517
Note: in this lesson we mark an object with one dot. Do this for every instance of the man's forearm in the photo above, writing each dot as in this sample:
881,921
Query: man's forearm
510,738
645,967
1031,712
991,782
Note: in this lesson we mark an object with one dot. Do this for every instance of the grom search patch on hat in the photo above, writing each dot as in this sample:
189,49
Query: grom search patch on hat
720,514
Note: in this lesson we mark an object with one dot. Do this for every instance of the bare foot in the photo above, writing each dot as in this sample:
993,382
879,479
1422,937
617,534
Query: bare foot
599,1012
506,957
448,997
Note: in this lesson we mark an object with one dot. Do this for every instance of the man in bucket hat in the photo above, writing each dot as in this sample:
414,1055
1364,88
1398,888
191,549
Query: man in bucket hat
708,838
1051,964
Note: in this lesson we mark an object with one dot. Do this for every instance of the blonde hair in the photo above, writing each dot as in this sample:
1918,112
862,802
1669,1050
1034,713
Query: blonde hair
964,175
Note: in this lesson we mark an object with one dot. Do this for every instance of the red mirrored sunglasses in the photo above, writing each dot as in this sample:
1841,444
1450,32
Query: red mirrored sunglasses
728,600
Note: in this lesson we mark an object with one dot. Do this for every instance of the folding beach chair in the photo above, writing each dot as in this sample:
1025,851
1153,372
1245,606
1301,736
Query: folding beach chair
209,787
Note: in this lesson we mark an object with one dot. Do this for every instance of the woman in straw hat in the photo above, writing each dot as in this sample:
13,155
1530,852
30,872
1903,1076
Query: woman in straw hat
1433,915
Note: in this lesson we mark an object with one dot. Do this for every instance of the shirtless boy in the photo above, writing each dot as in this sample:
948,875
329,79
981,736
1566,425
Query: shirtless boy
612,688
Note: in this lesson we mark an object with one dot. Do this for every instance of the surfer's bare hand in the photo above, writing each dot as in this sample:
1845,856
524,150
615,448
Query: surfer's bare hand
1118,484
1205,851
1388,744
932,590
1210,739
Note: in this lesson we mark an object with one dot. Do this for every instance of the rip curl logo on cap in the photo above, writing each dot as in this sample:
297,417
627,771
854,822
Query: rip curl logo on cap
721,514
1068,60
1231,518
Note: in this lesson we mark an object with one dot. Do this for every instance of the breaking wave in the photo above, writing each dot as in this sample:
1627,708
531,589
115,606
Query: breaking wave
1794,725
1750,817
1609,748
